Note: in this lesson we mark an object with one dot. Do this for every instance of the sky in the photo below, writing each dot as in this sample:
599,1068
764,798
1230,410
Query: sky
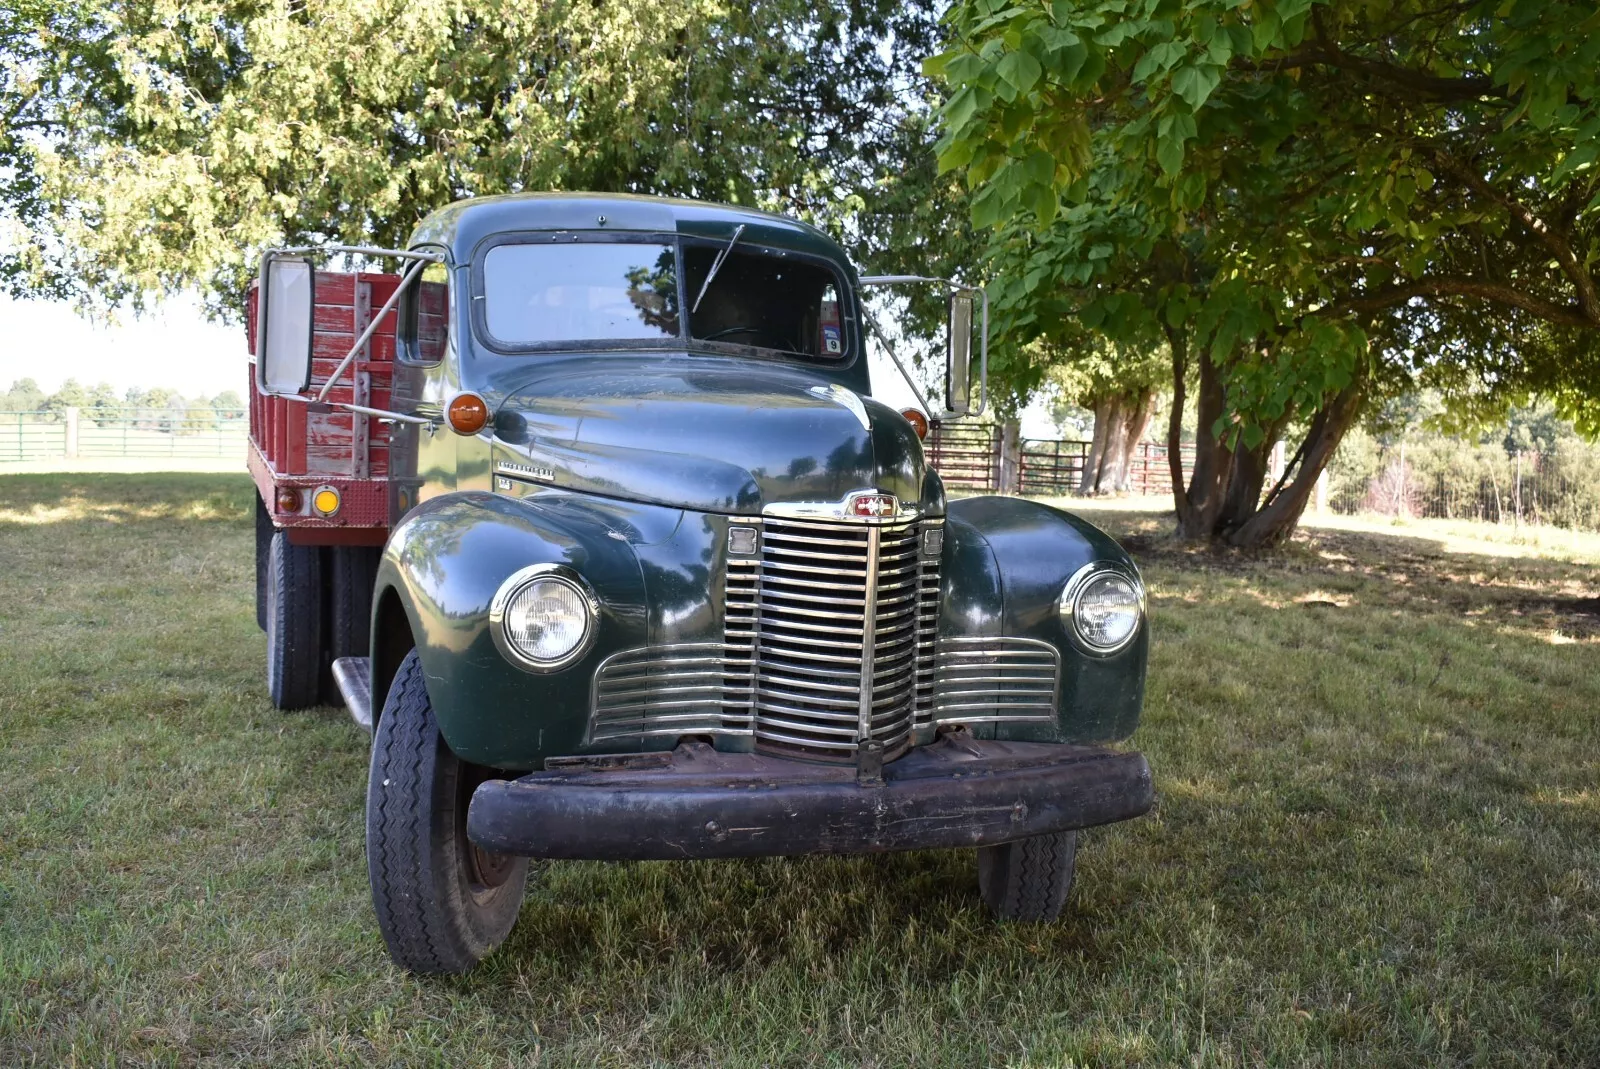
172,346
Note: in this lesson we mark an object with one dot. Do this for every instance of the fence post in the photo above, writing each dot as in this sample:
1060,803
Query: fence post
1322,491
71,414
1010,456
1275,466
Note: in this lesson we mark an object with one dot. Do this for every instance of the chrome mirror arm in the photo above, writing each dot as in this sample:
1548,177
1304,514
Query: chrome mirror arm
951,287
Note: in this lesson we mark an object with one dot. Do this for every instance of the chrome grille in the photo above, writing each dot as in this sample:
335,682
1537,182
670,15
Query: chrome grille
836,636
989,679
823,607
664,690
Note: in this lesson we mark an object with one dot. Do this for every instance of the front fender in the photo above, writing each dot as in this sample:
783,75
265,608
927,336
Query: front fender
1011,590
444,563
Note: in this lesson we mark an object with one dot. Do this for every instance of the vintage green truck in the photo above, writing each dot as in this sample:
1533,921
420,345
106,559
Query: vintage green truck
596,524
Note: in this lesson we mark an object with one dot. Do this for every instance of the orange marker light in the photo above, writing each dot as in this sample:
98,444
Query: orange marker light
467,413
918,421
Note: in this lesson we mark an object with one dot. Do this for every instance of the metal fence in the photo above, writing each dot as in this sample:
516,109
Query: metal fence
123,433
972,457
966,455
1054,468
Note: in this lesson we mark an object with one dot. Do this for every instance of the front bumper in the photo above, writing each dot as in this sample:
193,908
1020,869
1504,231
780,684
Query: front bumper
698,803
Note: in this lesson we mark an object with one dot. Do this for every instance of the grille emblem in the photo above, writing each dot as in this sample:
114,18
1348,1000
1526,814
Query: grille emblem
871,505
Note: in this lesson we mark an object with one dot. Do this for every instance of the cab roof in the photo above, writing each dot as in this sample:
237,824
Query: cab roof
462,226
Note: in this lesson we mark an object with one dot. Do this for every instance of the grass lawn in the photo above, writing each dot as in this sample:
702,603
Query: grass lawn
1377,840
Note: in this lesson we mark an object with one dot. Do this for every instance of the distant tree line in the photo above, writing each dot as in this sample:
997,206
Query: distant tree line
158,409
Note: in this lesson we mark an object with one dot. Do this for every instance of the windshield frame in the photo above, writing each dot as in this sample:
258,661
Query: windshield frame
675,240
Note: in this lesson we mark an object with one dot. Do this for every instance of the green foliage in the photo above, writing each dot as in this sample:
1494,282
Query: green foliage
158,409
203,131
1316,192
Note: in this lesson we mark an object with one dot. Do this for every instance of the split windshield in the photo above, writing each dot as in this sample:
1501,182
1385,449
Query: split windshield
548,295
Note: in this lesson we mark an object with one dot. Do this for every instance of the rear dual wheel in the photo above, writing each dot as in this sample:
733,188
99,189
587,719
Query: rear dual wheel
315,603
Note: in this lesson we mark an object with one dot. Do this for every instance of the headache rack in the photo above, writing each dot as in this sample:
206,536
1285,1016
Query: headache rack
335,434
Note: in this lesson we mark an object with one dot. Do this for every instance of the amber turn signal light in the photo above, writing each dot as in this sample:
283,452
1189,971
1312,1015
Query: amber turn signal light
467,413
288,499
918,421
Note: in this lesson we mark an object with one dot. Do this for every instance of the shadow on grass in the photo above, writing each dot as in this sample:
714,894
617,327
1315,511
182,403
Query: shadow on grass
1416,573
118,498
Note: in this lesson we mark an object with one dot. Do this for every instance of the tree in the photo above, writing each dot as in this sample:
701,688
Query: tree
104,407
1120,388
71,395
228,405
24,396
217,128
1320,203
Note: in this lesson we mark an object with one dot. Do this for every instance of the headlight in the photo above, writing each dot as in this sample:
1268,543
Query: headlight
543,618
1102,606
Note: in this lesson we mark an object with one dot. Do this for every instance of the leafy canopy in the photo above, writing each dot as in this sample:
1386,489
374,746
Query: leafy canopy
1316,192
178,136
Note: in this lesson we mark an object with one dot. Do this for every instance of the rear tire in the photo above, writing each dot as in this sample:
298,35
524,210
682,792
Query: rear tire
351,572
294,623
442,903
1028,880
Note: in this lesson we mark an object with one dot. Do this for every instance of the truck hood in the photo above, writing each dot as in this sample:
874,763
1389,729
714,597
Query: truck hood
704,433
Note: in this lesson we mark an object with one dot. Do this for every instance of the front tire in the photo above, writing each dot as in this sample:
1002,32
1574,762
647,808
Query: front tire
442,903
294,623
1028,880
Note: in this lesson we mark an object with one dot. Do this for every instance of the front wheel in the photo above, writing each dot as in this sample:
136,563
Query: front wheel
442,903
1028,880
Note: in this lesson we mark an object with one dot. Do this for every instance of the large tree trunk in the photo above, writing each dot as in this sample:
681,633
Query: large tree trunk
1089,481
1202,499
1223,501
1119,423
1275,520
1138,423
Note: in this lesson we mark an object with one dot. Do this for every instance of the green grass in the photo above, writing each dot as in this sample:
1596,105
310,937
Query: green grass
1377,841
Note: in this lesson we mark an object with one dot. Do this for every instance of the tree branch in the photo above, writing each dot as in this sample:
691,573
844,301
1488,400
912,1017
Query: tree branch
1465,87
1546,235
1562,314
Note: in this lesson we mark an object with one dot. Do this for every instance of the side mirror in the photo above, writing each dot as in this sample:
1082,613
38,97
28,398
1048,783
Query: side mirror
958,368
284,301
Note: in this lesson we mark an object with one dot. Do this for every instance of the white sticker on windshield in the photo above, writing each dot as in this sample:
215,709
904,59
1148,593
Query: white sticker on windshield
845,398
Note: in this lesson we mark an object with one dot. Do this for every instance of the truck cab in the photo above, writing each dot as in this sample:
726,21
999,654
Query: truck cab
657,576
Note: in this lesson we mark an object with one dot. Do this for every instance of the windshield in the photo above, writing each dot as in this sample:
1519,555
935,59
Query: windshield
597,291
546,294
762,300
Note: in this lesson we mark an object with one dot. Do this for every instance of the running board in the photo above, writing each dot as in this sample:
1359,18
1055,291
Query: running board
354,677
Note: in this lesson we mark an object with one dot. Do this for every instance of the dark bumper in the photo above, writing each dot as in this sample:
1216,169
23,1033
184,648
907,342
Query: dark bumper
698,803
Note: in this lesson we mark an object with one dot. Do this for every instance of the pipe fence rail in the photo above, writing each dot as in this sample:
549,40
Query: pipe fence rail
122,433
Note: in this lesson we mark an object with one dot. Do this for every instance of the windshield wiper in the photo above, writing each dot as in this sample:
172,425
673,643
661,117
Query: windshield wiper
716,265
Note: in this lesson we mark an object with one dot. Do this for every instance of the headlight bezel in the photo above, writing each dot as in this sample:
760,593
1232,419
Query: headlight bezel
1079,584
519,581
